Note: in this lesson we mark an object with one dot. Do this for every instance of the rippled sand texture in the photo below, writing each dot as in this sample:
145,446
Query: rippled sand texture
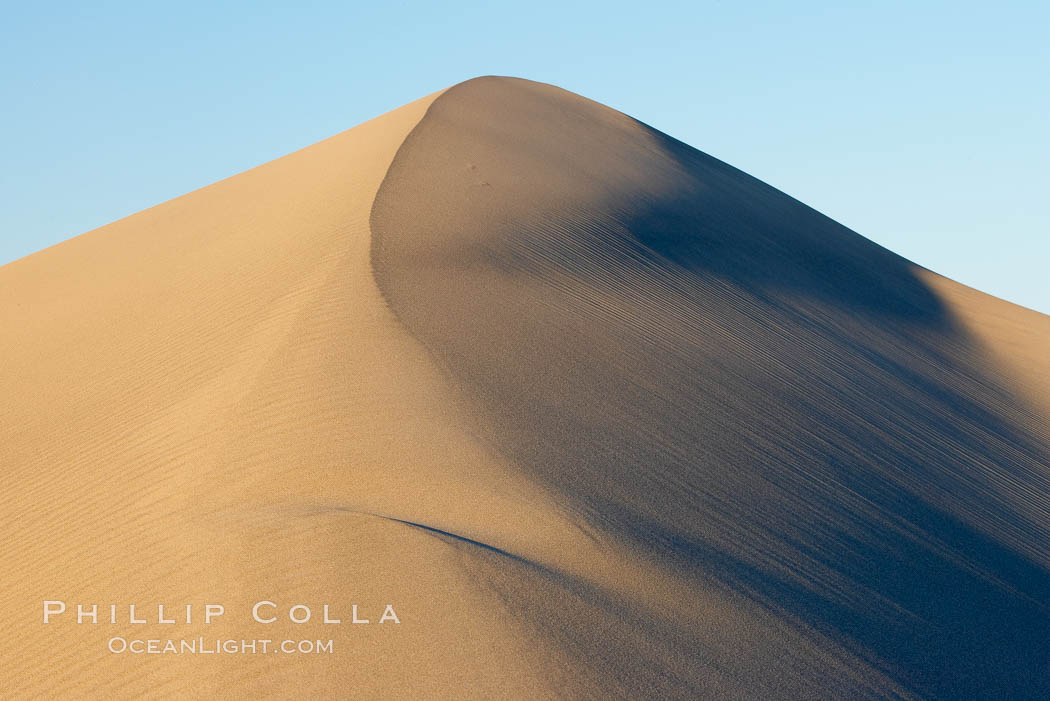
600,415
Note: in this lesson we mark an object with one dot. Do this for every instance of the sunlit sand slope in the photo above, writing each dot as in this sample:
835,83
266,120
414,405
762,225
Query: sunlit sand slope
209,402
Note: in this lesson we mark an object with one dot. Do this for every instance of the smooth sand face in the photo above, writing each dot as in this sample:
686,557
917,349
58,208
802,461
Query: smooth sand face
761,401
599,415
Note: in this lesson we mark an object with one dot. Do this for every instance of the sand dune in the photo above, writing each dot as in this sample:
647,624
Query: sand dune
599,415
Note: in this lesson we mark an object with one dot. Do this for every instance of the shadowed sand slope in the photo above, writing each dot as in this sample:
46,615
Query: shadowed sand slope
764,406
598,415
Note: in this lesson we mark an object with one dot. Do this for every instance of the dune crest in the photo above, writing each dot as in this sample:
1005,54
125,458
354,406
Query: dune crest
599,415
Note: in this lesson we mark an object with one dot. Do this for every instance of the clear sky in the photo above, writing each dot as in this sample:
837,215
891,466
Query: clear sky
922,125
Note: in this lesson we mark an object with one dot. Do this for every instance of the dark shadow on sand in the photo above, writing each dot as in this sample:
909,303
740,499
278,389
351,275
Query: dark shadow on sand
727,378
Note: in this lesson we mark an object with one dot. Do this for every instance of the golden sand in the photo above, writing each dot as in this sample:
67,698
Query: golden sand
560,406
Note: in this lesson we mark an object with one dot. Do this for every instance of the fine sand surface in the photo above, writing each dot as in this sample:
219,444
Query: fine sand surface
599,415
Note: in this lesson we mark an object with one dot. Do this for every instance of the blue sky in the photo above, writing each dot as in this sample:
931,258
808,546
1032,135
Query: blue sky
922,125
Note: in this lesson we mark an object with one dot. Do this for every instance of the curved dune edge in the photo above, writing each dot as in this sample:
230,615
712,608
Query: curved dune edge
824,454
